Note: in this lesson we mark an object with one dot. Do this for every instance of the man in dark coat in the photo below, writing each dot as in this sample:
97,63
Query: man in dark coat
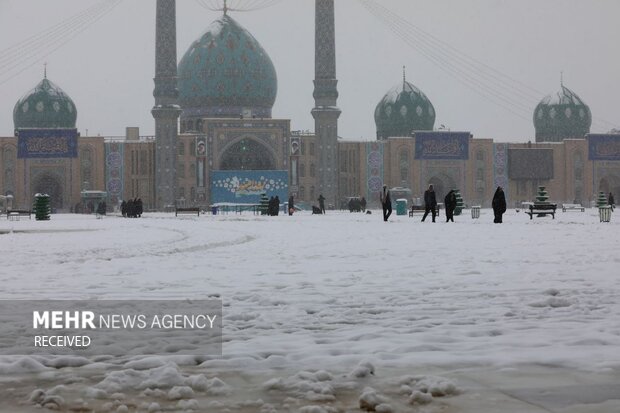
450,204
276,206
139,207
322,203
363,204
430,203
271,207
291,205
386,202
610,201
499,205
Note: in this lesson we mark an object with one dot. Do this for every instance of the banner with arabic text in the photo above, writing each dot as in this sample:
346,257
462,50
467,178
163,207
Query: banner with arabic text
47,143
442,145
604,147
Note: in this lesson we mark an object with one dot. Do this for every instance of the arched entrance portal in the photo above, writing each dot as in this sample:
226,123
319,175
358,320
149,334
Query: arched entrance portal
610,183
47,183
247,155
442,184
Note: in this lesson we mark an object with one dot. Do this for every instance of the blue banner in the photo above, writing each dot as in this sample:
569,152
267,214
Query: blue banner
47,143
604,147
246,187
442,145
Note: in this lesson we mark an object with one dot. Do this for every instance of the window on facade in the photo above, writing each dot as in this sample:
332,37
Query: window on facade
192,192
302,192
311,148
181,148
480,174
192,147
480,156
312,192
302,170
192,170
343,161
303,147
312,170
181,192
143,164
181,170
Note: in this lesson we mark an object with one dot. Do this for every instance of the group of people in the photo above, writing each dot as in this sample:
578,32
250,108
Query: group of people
430,204
273,207
132,208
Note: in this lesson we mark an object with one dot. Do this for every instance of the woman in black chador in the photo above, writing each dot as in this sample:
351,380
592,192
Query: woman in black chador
450,204
499,205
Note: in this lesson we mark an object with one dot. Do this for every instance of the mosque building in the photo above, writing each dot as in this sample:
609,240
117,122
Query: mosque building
230,149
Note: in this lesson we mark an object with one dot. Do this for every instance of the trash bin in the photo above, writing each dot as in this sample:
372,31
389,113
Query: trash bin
604,213
214,210
401,206
475,212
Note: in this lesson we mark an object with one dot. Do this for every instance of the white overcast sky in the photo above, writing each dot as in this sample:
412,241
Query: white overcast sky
108,68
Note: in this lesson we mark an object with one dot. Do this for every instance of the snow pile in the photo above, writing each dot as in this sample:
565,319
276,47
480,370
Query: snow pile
371,401
423,389
312,386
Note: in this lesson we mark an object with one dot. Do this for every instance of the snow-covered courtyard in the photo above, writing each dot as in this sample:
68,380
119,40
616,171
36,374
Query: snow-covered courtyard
335,313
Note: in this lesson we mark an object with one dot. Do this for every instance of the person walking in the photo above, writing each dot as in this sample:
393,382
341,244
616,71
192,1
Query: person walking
430,203
276,206
499,205
322,203
363,204
611,202
450,204
291,205
386,203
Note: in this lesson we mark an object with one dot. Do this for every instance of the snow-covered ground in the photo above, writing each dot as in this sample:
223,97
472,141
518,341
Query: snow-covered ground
335,312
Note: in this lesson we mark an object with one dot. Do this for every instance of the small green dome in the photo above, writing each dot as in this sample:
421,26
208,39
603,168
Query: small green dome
402,110
560,116
45,107
226,73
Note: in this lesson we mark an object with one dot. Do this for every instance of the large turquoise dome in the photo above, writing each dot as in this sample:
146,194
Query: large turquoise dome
226,73
46,107
562,115
402,110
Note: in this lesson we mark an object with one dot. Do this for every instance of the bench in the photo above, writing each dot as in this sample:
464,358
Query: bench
572,207
14,214
542,210
184,211
420,209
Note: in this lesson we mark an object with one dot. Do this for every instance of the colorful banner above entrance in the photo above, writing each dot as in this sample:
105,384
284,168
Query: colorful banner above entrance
442,145
47,143
604,147
246,187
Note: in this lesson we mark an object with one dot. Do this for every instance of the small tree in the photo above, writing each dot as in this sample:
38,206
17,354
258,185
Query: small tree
459,202
42,207
601,200
542,196
264,204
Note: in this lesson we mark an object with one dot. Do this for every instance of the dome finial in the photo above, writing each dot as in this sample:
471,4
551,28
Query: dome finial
45,70
561,78
404,77
225,7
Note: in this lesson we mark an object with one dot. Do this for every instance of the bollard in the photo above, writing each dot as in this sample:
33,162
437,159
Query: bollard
475,212
604,213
